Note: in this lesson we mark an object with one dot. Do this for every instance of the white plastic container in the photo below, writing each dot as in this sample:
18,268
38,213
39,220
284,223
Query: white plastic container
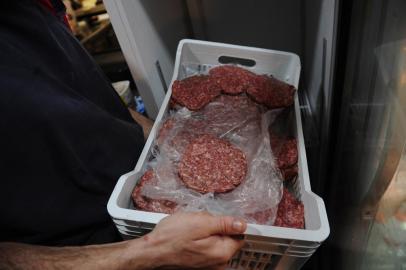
267,247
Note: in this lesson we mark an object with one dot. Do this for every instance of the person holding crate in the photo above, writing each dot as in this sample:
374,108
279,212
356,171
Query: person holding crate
66,138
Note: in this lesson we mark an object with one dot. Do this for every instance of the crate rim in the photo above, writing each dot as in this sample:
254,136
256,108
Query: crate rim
316,235
116,212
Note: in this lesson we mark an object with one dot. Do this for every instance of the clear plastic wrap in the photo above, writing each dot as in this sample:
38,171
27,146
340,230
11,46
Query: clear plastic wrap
245,125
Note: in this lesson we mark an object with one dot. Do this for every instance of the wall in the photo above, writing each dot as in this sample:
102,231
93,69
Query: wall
267,24
149,31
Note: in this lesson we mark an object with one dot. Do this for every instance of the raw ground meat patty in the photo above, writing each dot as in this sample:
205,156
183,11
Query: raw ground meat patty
262,217
144,203
239,107
285,150
290,172
165,129
232,80
271,92
195,92
290,212
173,105
176,134
228,114
210,164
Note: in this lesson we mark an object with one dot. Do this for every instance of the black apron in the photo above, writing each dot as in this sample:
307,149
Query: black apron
65,136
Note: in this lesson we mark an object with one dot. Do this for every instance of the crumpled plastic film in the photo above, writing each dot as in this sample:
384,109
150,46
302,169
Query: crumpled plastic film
243,123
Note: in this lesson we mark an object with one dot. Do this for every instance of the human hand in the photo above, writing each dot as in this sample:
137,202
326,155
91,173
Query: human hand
180,241
195,241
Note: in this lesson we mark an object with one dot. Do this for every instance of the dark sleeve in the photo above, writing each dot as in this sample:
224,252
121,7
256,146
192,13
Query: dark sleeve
60,158
65,136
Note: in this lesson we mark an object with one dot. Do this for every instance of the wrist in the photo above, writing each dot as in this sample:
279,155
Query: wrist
157,250
145,253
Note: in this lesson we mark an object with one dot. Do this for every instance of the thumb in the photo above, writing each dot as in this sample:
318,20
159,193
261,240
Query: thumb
225,225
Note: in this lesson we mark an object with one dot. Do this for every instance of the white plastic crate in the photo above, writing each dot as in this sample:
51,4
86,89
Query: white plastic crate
267,247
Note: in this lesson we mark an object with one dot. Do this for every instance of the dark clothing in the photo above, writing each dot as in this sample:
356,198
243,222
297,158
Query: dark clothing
57,8
65,136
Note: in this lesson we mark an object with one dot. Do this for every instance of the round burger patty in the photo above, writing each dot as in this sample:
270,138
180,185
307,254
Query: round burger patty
271,92
152,205
290,212
180,138
231,113
262,217
232,80
284,150
224,107
195,92
210,164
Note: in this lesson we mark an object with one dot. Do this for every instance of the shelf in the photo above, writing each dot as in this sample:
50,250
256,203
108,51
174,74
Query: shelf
96,10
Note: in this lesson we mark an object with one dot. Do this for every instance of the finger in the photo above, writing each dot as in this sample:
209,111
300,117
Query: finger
229,247
225,225
220,248
204,224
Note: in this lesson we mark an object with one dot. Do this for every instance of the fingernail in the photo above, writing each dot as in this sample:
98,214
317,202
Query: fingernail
237,226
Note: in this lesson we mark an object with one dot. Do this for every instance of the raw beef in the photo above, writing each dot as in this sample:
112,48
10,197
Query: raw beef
285,150
271,92
179,133
195,92
210,164
228,114
152,205
290,172
232,80
290,212
262,217
165,130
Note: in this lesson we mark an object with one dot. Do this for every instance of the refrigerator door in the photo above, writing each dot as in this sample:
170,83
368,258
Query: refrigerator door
371,134
386,245
148,32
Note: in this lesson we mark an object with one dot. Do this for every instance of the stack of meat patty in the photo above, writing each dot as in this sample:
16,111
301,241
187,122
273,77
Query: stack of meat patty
227,98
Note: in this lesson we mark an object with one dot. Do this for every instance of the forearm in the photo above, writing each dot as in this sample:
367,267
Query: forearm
143,121
135,254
